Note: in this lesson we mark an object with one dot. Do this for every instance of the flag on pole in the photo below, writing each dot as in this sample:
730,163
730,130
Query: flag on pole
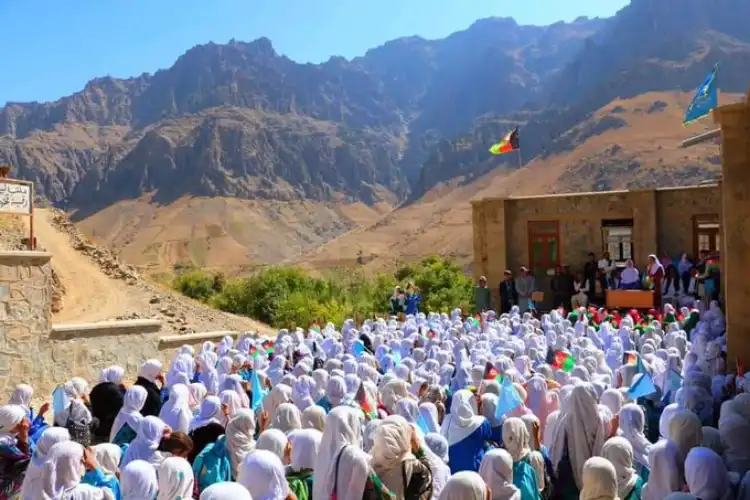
642,387
508,144
564,361
257,390
706,98
508,400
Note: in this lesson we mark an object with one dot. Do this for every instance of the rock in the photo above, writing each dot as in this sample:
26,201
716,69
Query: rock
154,300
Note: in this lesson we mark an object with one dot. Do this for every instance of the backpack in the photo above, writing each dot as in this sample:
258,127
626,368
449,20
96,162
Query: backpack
212,465
524,478
301,484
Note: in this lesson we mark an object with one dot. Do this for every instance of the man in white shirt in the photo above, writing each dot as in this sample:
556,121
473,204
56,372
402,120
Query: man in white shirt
606,266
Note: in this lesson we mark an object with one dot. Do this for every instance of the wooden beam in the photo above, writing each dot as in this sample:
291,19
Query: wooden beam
701,138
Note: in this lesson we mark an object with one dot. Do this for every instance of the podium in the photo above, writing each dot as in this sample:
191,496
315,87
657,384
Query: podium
630,299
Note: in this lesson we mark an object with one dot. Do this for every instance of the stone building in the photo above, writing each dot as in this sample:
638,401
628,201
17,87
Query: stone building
542,232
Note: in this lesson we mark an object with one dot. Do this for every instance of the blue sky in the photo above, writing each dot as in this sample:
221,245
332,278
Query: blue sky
51,48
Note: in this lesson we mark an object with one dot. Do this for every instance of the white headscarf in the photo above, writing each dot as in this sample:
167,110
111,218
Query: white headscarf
314,417
10,417
175,479
22,396
138,481
620,453
198,393
391,447
262,473
305,445
113,374
210,413
226,491
176,411
342,436
130,413
146,442
230,403
599,480
686,431
666,471
706,475
272,440
497,471
287,418
33,482
63,470
463,418
108,457
734,428
632,422
150,370
464,485
74,389
240,434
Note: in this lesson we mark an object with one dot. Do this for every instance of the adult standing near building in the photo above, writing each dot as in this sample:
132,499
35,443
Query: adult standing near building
508,293
525,286
482,299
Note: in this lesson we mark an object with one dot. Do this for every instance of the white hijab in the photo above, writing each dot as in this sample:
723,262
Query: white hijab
262,473
175,479
666,471
63,473
146,442
314,417
599,480
463,418
497,471
706,475
33,482
240,434
150,370
210,413
226,491
138,481
113,374
74,389
22,396
108,457
10,417
632,422
391,447
176,411
130,413
620,453
287,418
305,445
342,441
272,440
464,485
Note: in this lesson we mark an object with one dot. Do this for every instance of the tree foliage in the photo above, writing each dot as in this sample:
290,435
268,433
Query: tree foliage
288,297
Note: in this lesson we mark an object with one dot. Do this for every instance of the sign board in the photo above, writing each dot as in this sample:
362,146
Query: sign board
16,197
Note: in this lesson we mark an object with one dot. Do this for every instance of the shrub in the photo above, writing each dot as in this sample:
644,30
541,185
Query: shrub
289,297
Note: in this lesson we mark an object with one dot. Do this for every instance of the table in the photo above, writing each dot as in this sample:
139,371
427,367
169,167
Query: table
630,299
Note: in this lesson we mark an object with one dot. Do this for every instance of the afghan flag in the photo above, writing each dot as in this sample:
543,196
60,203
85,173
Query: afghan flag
268,346
564,361
364,402
508,144
630,358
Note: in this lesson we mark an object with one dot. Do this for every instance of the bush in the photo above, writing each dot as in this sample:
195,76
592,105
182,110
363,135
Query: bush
289,297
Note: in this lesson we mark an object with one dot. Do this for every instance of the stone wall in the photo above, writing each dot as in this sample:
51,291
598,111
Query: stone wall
34,351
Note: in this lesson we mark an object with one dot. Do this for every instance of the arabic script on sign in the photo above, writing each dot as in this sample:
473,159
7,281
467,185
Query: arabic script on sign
15,198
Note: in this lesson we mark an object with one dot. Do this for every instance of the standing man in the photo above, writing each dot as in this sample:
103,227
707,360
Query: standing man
482,296
508,293
525,286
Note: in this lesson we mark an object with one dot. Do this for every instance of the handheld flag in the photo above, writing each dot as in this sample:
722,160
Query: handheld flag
509,143
564,361
364,401
642,387
60,400
358,347
508,400
422,424
705,100
257,390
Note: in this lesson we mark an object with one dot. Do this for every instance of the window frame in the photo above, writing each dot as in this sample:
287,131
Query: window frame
713,233
606,226
553,233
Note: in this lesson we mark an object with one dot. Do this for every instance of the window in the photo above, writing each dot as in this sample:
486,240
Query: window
544,245
617,239
707,233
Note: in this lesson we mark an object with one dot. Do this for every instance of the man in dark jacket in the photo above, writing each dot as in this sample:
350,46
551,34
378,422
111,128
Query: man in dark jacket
508,293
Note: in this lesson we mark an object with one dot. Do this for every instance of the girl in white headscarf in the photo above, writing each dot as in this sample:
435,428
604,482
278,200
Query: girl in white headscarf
262,473
686,431
393,459
275,441
64,472
208,376
314,417
302,392
15,446
240,438
287,418
148,375
207,426
138,481
230,405
198,393
108,457
734,428
279,395
666,473
612,399
631,425
33,482
540,400
465,485
175,479
620,453
226,491
176,411
580,431
599,480
22,397
146,443
466,433
516,441
299,473
76,392
129,417
342,468
706,475
497,472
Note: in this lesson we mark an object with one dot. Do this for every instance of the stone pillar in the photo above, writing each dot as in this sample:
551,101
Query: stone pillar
734,120
25,314
645,237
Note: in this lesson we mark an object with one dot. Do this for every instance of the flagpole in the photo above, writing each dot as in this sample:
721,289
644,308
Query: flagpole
520,163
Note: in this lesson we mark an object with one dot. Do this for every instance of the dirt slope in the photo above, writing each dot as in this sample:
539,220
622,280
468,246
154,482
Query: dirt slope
92,295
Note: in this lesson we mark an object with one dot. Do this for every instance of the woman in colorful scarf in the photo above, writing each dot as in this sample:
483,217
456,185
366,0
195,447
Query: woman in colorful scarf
15,450
655,275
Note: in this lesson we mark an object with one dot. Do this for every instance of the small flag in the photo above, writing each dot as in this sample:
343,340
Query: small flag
642,387
358,347
268,346
508,144
254,352
422,424
508,400
630,358
706,98
60,400
564,361
364,401
257,390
